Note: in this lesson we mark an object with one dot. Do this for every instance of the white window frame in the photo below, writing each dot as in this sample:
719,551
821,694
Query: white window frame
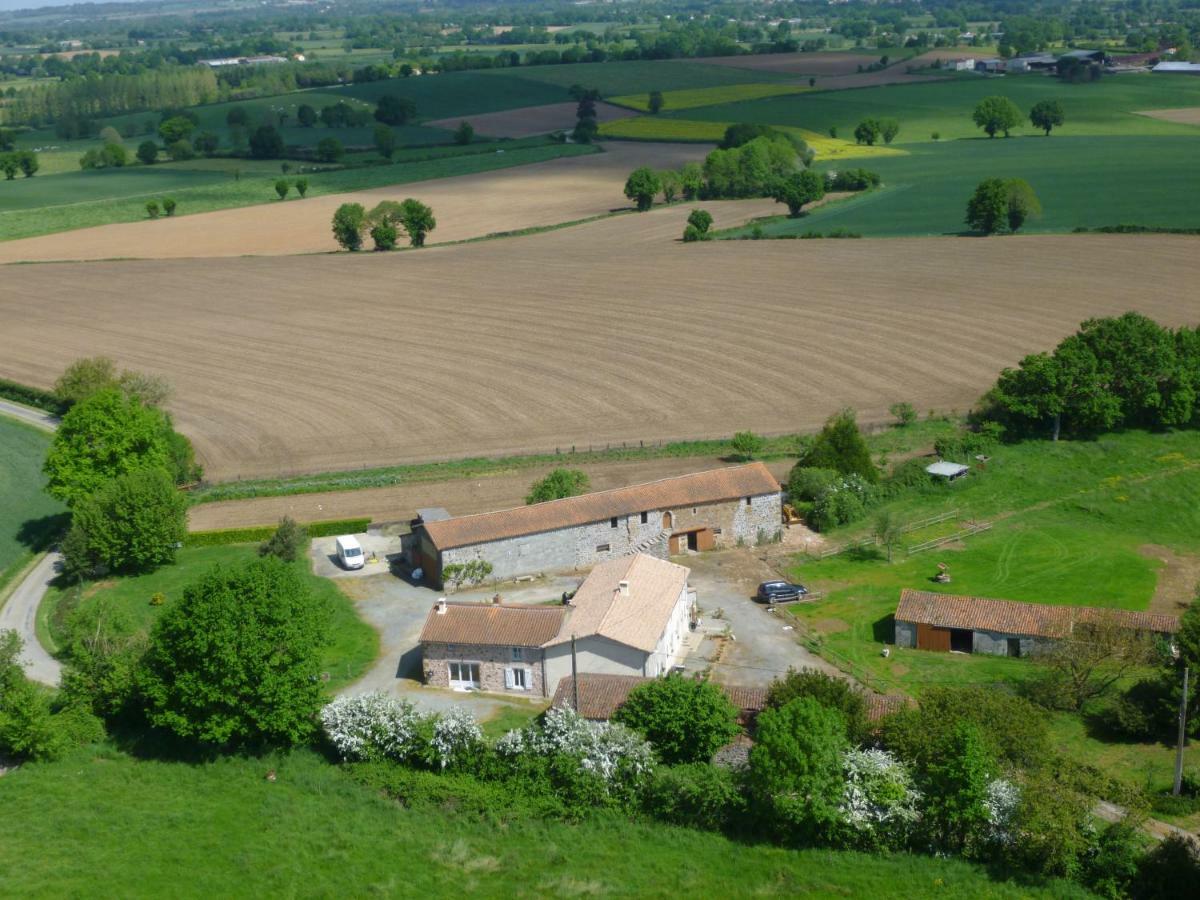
511,678
473,668
518,654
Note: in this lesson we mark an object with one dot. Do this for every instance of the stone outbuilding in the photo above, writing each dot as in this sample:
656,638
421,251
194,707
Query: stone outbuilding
629,617
931,621
700,511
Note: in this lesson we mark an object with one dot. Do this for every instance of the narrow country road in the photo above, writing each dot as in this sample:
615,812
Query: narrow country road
29,415
20,613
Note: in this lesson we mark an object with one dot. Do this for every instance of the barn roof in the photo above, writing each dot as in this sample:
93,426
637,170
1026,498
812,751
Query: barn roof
1012,617
492,624
637,618
712,486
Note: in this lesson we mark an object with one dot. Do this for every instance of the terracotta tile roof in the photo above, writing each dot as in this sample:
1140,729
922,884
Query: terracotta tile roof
491,624
713,486
1011,617
637,619
880,705
601,695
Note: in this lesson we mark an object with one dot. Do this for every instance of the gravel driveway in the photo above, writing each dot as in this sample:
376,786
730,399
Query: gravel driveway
763,647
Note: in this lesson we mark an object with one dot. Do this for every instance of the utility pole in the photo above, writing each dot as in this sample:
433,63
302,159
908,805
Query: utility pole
575,685
1182,736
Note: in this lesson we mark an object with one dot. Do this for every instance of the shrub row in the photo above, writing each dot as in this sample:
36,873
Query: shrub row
31,396
263,532
1135,229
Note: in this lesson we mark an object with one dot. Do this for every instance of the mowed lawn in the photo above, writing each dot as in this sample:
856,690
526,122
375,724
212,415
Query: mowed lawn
354,643
1088,182
1106,107
29,518
221,829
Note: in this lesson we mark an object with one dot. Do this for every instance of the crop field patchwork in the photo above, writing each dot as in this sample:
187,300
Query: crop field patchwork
655,128
531,342
689,99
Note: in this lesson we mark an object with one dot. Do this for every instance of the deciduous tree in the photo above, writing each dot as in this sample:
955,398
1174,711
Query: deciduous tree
747,444
282,188
348,224
840,446
558,484
798,189
654,102
1046,114
385,140
266,143
464,133
417,221
997,113
147,152
642,186
393,110
131,524
868,131
236,661
830,691
684,719
987,210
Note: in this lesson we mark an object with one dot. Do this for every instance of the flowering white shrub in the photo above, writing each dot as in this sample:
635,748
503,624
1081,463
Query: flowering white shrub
1003,797
610,750
455,735
879,801
372,726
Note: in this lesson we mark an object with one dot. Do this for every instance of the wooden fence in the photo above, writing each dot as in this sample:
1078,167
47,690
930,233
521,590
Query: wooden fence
973,528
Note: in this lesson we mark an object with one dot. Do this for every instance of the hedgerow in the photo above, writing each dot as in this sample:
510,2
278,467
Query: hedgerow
259,533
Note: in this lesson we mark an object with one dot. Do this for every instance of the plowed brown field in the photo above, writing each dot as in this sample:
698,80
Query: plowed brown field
606,332
1188,115
469,206
839,71
530,120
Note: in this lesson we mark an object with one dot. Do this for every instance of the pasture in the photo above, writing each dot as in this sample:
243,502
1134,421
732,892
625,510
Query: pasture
1088,182
532,340
28,517
654,128
689,99
1105,107
313,830
354,644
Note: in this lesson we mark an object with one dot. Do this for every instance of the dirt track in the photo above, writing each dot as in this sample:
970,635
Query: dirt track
605,332
531,120
469,206
1188,115
460,496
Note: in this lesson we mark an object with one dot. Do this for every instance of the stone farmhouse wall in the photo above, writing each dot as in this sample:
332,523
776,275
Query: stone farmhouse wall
583,546
492,663
994,643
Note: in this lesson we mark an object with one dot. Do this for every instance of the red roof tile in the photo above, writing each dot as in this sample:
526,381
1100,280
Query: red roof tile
492,624
1012,617
601,695
713,486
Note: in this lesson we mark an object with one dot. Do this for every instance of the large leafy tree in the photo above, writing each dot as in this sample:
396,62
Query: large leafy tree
417,221
997,113
236,662
393,110
987,210
641,186
1046,114
132,524
106,435
1022,203
684,719
956,788
840,446
797,189
348,223
829,691
796,768
558,484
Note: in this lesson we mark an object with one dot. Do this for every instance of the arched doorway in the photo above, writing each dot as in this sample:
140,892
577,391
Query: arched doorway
668,521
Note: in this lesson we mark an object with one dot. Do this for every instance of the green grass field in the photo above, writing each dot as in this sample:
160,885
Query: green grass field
28,516
102,818
120,195
1106,107
1087,182
354,647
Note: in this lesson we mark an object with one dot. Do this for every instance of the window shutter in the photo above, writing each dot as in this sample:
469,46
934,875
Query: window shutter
528,678
508,678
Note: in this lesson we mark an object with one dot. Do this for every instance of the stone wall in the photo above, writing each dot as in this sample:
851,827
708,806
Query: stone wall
583,546
435,659
996,643
906,634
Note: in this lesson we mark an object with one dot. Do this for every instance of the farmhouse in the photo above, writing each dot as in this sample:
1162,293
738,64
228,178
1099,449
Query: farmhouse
1178,68
930,621
629,617
700,511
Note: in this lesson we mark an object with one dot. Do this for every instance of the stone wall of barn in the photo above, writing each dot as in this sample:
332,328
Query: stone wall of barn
583,546
435,660
906,634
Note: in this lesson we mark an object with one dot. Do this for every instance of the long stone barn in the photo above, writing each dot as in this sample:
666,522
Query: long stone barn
930,621
701,511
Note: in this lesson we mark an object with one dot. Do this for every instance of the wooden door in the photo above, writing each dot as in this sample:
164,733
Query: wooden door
930,637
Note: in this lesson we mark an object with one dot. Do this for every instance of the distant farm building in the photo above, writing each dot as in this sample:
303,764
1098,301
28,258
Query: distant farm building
931,621
630,617
1034,62
701,511
961,65
1179,68
243,61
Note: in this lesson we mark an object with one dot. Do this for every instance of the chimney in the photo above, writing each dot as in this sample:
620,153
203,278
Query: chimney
441,606
623,587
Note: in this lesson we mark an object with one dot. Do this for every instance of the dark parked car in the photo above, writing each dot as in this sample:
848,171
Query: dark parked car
779,592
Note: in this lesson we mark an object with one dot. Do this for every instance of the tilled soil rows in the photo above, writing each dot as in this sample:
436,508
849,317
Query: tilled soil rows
602,333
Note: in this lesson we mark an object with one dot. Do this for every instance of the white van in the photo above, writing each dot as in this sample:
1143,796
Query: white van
349,553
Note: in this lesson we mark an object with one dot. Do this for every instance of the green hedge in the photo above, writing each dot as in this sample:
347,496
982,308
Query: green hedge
262,532
31,396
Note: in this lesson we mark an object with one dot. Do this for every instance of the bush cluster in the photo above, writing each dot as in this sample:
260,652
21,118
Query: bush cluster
224,536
